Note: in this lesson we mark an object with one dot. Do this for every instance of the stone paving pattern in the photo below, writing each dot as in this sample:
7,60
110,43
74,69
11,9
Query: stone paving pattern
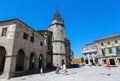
85,73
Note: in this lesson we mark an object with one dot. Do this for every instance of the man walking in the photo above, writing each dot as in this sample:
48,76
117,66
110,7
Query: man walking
41,71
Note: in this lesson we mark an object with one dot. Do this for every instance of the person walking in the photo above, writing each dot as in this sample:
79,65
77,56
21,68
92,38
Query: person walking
64,69
41,71
108,65
57,69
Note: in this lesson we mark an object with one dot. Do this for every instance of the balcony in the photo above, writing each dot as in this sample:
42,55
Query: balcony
89,51
107,55
116,45
109,46
112,54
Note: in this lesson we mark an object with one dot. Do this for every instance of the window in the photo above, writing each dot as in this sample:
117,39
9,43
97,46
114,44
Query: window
118,50
61,31
4,32
116,41
102,44
110,50
108,42
32,39
61,48
103,52
63,62
25,36
41,43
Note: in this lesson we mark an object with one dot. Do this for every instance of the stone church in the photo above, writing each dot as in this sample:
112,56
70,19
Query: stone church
22,49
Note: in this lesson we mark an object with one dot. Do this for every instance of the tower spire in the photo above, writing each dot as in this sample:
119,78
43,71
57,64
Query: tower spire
57,14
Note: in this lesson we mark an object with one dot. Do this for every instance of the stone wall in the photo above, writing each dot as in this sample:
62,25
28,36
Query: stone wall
15,44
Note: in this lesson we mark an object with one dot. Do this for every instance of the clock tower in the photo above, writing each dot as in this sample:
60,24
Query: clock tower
58,39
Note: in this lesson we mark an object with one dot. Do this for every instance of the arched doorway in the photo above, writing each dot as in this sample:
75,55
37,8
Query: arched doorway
32,61
40,61
91,61
86,59
20,60
2,59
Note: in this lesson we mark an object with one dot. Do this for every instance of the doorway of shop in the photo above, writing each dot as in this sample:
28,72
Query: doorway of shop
112,62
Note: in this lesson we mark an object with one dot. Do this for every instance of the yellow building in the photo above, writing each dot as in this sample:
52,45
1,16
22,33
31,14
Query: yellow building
78,60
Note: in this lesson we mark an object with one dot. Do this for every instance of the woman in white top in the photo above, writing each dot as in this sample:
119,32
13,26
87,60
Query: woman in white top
64,69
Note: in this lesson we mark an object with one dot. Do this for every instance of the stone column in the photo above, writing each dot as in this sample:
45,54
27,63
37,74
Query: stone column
93,58
9,68
85,59
88,56
100,62
116,62
26,64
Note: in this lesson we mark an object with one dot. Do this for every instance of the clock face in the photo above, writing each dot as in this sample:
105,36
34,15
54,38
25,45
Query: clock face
59,20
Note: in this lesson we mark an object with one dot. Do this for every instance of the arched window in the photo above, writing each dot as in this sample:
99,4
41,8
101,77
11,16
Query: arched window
102,44
116,41
32,61
108,42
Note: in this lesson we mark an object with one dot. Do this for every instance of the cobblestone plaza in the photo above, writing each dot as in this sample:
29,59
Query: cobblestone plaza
85,73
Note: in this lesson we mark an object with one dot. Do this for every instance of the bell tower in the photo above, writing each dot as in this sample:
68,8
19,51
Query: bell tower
58,39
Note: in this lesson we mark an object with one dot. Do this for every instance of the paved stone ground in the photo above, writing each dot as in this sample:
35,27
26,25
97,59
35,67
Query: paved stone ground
85,73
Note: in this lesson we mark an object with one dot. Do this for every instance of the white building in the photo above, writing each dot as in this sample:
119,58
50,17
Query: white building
90,51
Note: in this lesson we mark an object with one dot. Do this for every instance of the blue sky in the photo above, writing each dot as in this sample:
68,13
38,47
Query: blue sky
85,20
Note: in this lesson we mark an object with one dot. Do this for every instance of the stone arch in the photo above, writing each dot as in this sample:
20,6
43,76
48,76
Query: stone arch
96,58
40,61
32,61
20,60
2,58
86,59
